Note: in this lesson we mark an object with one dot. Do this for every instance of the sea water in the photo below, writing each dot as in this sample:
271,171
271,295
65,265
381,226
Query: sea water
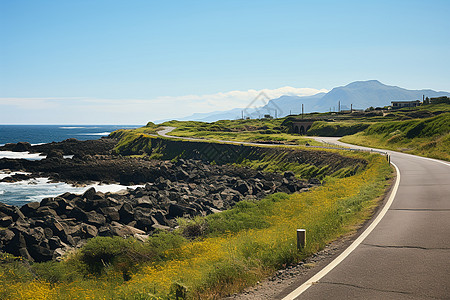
19,193
36,134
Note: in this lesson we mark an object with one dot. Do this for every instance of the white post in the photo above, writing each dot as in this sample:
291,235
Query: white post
301,238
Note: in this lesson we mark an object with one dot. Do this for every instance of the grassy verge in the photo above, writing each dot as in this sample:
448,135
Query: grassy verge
428,137
234,249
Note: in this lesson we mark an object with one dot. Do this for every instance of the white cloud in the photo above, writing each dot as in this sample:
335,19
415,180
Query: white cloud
83,110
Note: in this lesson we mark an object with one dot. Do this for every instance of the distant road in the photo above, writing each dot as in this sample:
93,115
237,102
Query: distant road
406,255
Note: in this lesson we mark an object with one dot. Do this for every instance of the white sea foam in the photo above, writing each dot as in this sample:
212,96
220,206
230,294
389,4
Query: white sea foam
4,174
95,133
78,127
72,127
19,155
36,189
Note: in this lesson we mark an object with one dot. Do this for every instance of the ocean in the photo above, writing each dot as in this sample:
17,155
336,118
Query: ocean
36,134
20,193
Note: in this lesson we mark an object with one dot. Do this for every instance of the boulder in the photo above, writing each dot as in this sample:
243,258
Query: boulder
52,203
94,218
105,231
7,209
78,214
6,221
6,235
17,214
22,147
40,252
55,243
89,194
124,230
111,213
15,243
84,231
126,213
242,187
144,201
45,211
89,231
55,154
68,196
177,210
158,217
48,233
34,236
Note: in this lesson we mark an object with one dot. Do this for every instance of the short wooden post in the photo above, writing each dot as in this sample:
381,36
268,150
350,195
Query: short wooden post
301,238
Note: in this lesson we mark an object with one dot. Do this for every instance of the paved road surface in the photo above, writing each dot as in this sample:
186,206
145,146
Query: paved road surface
407,255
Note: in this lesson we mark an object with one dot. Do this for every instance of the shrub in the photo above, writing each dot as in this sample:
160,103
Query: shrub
101,252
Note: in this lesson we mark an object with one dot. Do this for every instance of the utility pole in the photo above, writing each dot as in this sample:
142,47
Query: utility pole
339,106
275,113
302,111
242,115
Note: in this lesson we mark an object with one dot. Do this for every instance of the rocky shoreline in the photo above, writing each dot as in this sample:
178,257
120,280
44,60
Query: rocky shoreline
182,188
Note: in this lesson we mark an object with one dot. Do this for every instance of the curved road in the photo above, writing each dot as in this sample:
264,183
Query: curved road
406,255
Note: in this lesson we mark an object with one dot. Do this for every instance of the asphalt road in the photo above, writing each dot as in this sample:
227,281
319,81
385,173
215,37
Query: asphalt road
407,254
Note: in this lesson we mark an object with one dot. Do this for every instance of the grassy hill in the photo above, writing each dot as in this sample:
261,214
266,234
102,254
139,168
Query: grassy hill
428,136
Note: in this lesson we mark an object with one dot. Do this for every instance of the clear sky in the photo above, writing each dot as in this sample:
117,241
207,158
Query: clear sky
117,61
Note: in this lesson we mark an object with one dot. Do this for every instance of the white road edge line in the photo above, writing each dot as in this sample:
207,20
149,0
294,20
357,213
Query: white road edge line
298,291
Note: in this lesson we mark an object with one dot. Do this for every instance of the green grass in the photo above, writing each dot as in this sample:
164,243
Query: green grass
321,128
428,137
254,130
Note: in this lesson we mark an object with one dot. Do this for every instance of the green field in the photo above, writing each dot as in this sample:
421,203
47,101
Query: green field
428,137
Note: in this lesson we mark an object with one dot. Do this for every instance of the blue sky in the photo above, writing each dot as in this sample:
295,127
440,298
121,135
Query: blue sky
160,58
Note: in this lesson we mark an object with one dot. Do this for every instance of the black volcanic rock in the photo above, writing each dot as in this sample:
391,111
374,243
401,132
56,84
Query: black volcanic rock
22,147
187,188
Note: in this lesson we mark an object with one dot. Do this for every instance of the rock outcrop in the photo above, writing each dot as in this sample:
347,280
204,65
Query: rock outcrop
186,188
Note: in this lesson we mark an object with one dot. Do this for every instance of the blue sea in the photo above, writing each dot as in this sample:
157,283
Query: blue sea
19,193
36,134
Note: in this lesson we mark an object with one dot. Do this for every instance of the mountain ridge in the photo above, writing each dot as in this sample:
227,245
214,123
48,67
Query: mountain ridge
358,94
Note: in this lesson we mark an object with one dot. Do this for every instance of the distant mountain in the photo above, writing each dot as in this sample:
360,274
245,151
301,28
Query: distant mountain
362,94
